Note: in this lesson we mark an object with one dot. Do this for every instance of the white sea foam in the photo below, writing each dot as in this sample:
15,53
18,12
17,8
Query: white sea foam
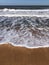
20,12
24,39
36,38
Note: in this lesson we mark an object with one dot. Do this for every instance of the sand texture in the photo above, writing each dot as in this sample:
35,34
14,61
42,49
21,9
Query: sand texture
10,55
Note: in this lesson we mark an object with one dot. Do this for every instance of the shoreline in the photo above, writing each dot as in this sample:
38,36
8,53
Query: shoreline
25,46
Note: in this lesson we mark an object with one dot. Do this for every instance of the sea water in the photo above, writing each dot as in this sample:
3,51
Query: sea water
27,28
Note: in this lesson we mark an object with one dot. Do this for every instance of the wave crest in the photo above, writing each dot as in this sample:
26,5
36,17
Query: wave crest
20,12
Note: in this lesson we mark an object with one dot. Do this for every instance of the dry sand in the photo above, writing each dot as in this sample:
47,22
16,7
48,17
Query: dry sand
10,55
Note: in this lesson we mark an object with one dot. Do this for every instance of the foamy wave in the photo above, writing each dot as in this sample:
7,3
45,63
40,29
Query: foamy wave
27,28
26,31
11,15
20,12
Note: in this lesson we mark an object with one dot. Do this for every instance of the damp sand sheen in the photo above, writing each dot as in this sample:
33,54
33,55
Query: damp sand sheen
24,37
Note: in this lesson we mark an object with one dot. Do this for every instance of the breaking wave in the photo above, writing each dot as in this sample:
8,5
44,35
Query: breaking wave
28,28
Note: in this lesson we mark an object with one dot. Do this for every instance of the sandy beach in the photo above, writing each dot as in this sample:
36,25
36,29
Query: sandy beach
12,55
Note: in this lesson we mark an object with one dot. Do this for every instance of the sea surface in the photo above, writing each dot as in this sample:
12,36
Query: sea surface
28,28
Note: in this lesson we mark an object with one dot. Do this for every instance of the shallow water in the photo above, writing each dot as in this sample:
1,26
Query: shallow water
29,31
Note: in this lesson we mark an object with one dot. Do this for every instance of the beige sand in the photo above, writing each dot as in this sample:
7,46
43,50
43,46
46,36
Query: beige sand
10,55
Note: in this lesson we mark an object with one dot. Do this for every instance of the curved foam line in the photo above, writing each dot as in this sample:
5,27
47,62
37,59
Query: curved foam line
45,46
9,15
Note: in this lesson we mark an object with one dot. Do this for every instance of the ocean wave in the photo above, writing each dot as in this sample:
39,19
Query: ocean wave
25,31
20,12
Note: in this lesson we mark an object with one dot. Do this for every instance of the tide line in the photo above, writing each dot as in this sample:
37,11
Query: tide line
44,46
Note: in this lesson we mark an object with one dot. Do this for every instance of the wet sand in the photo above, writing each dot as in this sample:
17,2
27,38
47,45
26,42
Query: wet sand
11,55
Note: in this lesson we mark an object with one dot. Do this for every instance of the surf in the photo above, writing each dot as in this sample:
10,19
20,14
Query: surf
27,28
